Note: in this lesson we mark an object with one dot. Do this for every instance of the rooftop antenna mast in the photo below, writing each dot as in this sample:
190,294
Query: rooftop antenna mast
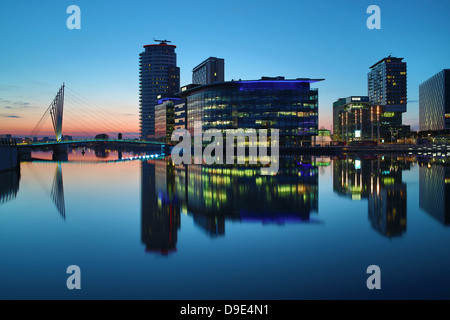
162,41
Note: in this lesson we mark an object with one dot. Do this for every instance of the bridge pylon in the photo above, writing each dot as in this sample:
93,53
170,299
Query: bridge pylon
56,112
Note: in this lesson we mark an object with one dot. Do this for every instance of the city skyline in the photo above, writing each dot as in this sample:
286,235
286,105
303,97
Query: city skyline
320,40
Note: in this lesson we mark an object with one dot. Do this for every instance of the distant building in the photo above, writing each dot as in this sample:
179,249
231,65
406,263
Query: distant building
209,71
159,75
354,119
66,138
270,103
323,138
388,94
434,102
102,136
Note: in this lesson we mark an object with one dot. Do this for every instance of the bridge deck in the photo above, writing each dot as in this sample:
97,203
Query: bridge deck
68,142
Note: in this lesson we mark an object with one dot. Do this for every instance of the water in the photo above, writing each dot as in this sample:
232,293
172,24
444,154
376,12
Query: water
150,230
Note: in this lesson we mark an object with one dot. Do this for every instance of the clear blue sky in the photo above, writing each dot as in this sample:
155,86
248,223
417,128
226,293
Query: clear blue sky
293,38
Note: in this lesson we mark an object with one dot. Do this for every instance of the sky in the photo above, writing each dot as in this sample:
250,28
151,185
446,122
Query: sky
293,38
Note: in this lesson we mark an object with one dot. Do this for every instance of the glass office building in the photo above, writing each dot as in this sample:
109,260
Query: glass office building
270,103
434,102
159,76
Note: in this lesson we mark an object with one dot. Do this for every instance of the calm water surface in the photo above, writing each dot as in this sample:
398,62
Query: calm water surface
150,230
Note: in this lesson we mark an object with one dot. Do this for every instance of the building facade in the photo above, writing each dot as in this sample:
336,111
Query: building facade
434,102
354,119
387,92
159,76
288,105
209,71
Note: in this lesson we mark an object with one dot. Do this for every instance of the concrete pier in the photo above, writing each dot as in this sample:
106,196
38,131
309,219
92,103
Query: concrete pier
9,158
60,152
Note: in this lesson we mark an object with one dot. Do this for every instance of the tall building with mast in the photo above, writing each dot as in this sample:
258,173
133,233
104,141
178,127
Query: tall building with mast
159,76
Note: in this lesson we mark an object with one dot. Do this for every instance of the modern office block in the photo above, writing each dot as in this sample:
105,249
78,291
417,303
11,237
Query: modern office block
165,119
270,103
434,102
209,71
354,119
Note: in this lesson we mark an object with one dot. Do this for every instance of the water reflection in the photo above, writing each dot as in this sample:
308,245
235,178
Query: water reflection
434,184
57,192
160,207
214,194
9,185
378,179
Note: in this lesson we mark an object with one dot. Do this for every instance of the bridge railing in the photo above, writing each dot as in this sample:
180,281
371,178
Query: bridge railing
44,143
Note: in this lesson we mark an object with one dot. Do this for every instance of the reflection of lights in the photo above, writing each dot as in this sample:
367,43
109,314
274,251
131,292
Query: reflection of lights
429,166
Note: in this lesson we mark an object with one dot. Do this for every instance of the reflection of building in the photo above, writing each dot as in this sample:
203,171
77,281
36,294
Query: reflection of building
101,152
270,103
387,210
388,94
380,181
241,193
159,75
434,102
354,119
9,185
435,192
353,178
209,71
160,210
213,194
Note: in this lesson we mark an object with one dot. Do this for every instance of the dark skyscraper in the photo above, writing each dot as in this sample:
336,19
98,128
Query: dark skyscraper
159,76
209,71
434,102
388,94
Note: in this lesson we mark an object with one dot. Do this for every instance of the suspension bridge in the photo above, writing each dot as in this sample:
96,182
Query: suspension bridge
84,117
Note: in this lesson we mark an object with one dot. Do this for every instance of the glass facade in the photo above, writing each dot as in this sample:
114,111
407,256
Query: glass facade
288,105
434,102
159,76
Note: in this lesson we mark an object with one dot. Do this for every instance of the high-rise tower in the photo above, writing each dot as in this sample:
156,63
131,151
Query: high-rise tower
159,76
388,94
